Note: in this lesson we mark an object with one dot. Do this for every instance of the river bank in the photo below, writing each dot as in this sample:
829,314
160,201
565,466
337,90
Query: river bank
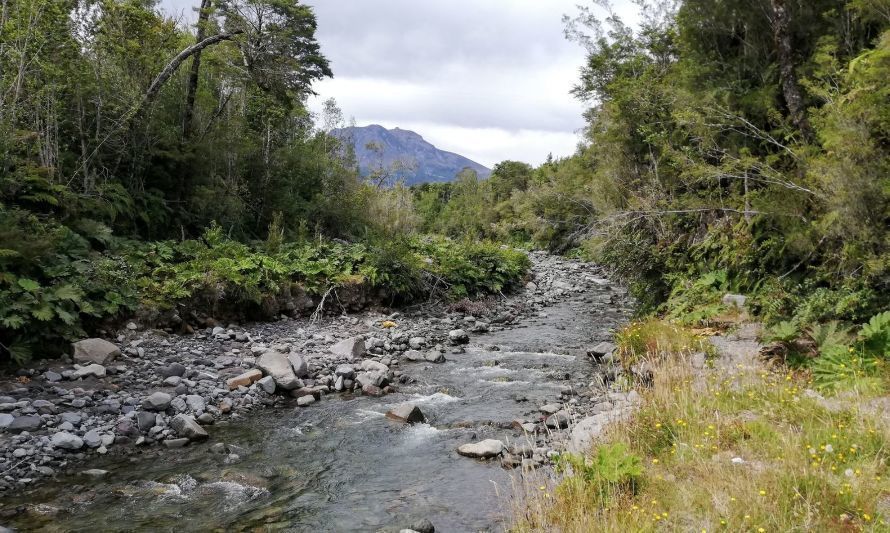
517,372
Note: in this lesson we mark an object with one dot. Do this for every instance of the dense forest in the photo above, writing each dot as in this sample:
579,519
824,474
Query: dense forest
150,167
730,147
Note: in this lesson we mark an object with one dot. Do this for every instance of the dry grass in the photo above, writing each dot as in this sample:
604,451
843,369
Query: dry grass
732,450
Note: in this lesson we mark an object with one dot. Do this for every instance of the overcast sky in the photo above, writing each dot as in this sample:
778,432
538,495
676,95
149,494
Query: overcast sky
488,79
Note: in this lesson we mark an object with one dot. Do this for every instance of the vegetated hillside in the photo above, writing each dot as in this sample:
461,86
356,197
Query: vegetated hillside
404,154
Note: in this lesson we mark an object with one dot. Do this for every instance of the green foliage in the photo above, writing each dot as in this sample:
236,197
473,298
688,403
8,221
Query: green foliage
609,472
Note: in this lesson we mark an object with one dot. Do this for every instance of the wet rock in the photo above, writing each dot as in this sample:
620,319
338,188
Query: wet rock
414,355
417,343
95,473
350,349
485,449
52,377
276,364
434,357
305,401
71,418
176,443
372,390
345,371
97,351
25,423
406,412
159,401
66,441
298,363
422,526
245,380
458,336
95,370
5,420
375,379
186,426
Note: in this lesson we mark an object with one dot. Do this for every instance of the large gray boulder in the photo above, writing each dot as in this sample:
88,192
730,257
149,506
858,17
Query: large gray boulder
98,351
375,379
5,420
352,348
485,449
277,365
298,362
187,427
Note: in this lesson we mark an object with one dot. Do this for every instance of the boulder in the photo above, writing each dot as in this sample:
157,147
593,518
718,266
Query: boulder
585,433
245,380
485,449
434,357
414,355
369,365
159,401
195,403
92,438
458,336
146,420
267,384
304,401
602,349
376,379
94,369
5,420
558,420
174,369
187,427
345,371
66,441
98,351
277,365
351,348
25,423
406,412
298,363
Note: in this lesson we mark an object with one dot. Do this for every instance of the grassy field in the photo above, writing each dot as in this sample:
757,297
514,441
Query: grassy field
725,448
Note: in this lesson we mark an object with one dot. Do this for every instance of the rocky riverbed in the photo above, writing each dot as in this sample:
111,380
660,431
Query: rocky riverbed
506,384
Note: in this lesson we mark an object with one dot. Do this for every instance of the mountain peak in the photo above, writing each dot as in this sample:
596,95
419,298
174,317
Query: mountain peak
420,161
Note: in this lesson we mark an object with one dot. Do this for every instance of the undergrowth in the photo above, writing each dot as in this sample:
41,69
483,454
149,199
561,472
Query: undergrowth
733,449
52,296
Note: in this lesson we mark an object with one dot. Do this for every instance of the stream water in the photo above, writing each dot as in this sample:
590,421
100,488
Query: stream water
341,465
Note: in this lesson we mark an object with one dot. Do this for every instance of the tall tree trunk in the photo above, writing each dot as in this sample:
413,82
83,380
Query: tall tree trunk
781,22
203,16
